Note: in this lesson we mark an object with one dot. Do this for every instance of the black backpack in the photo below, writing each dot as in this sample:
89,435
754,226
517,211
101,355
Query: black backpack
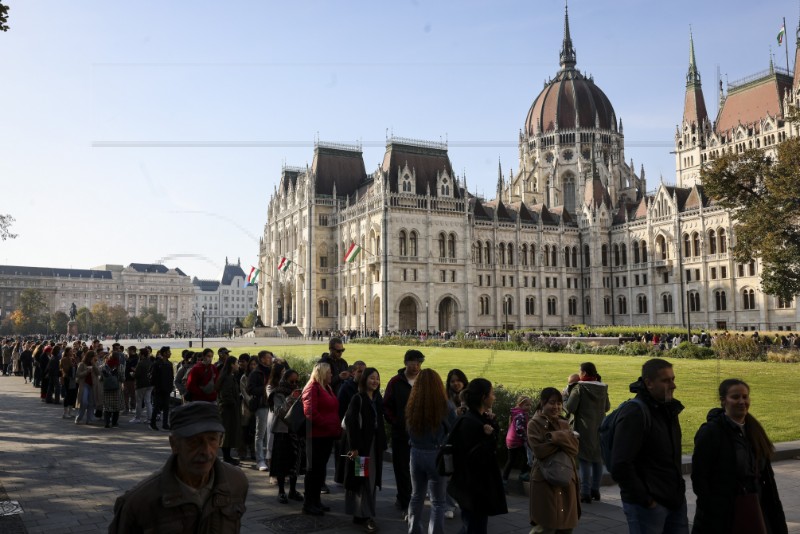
609,426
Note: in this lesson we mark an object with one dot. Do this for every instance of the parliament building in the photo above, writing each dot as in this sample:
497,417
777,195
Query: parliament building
572,237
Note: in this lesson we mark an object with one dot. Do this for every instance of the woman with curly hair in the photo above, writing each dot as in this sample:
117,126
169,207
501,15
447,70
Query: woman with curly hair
429,418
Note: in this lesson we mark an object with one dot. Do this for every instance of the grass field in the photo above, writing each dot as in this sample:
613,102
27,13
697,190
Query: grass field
773,385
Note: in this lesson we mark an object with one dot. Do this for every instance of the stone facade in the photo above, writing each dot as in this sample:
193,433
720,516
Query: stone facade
225,300
573,237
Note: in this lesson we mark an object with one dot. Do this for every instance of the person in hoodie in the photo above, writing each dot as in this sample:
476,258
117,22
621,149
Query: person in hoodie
731,466
394,409
646,457
588,403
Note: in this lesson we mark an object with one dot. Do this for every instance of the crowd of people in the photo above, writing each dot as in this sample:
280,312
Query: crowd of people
261,410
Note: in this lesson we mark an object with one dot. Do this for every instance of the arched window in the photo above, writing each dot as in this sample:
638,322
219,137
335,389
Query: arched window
661,247
604,255
323,308
666,303
445,188
344,306
552,307
414,240
622,305
624,250
687,246
749,299
586,262
354,306
641,302
587,306
721,300
530,306
574,256
477,253
723,241
533,254
451,246
607,305
572,305
696,243
442,245
712,242
635,250
547,255
403,243
694,301
566,257
501,254
487,252
644,251
523,254
510,254
553,256
616,255
406,183
508,305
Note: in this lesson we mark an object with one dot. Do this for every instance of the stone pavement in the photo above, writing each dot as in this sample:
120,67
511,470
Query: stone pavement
66,478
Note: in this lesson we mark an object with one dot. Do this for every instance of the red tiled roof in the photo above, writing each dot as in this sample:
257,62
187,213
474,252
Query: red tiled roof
752,102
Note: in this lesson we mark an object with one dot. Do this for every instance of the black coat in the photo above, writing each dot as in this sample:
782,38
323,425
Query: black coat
394,407
257,385
476,484
364,433
163,376
723,466
646,459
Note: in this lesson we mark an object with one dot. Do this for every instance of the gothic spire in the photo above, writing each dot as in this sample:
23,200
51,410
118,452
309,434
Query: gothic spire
567,56
499,180
693,76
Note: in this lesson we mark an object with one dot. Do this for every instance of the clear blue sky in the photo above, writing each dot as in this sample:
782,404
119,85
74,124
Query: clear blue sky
137,131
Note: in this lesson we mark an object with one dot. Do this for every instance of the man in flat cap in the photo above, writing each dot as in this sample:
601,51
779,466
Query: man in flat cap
195,491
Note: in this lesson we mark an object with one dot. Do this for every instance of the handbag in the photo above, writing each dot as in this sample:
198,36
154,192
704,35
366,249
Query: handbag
557,469
360,421
445,465
111,382
747,515
295,419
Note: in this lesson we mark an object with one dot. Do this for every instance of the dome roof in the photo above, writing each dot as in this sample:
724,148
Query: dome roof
570,100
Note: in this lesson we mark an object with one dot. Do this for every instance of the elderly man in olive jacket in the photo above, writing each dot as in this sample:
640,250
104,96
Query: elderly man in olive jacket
195,492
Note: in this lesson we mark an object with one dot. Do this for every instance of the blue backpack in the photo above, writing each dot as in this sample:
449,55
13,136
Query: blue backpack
609,426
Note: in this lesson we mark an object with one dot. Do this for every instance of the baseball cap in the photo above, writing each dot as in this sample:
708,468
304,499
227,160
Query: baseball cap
195,418
223,350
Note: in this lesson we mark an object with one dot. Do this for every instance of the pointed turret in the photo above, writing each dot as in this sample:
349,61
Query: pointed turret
796,85
499,180
567,55
694,105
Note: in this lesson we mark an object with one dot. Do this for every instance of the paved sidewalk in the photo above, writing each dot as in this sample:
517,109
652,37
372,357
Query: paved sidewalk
66,478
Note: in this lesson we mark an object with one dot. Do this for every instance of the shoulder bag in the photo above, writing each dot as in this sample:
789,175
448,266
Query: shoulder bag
557,469
295,419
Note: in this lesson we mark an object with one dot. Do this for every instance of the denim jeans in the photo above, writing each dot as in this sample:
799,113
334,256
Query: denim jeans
591,473
261,434
144,395
422,466
87,405
657,520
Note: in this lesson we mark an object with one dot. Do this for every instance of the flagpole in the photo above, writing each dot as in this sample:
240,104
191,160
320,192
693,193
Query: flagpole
787,45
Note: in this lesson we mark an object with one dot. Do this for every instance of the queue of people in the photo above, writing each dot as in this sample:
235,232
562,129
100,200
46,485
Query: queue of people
241,402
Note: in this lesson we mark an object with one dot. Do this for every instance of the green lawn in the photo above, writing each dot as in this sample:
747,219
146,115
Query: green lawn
773,385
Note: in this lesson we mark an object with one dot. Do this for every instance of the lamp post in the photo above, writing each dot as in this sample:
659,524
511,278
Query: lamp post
505,311
202,325
280,317
427,319
365,320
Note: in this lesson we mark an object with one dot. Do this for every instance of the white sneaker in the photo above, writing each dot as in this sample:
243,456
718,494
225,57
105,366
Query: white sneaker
449,514
262,466
135,420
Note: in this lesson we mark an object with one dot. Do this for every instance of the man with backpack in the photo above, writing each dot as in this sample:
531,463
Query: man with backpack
645,455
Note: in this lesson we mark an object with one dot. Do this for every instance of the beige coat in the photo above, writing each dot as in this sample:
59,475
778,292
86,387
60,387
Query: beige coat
552,507
81,373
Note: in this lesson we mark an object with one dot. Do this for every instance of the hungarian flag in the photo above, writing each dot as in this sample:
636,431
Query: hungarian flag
781,33
351,253
284,264
361,467
252,276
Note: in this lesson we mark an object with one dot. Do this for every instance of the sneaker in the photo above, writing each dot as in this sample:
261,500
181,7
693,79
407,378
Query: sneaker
595,495
449,514
283,499
262,466
371,526
135,421
324,489
296,496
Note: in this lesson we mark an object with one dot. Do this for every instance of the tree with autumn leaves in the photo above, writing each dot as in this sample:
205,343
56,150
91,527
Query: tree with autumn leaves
763,194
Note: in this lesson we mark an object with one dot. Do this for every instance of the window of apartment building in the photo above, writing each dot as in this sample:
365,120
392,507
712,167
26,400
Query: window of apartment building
607,305
510,279
741,269
442,276
616,280
751,268
572,305
688,275
697,274
533,281
405,275
452,276
323,261
547,281
555,282
480,280
636,279
488,280
323,283
504,281
713,273
415,275
524,281
666,278
569,283
644,279
723,272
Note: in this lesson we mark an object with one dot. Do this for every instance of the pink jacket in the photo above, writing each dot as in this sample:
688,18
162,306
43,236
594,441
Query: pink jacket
321,408
517,428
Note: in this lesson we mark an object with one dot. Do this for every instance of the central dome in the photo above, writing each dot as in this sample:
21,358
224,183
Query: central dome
570,100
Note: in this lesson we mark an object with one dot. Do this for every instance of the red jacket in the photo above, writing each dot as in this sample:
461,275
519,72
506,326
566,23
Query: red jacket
199,376
321,408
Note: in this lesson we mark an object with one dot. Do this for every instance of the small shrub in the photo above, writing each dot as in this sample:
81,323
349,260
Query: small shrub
690,350
636,348
783,356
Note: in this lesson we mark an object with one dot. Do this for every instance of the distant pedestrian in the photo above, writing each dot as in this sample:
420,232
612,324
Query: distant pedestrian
112,380
162,376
